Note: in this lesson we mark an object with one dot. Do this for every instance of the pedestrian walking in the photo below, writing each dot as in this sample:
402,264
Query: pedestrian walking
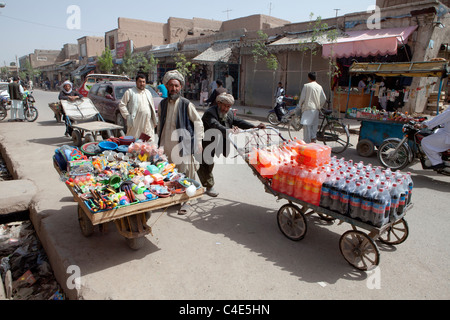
229,80
312,99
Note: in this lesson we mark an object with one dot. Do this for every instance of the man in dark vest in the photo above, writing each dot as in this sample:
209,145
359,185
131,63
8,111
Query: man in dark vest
16,93
180,128
218,121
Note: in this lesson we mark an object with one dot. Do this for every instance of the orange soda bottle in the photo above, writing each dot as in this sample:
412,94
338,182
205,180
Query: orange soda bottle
307,185
299,181
290,182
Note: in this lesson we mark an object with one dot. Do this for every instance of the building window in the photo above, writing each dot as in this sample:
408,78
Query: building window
112,43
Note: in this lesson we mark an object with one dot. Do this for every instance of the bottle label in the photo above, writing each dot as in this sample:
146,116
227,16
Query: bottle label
345,198
355,202
378,208
366,205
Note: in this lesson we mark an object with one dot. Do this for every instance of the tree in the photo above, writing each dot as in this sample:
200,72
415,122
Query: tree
185,67
28,72
105,62
260,51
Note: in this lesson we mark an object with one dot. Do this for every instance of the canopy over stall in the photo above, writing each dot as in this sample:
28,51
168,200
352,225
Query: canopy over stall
366,43
438,69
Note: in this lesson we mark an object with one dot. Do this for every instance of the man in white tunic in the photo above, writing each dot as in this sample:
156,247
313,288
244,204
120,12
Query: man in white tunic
180,128
438,142
311,101
138,109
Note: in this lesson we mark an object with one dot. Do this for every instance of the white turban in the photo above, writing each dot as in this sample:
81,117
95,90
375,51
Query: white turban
225,98
173,75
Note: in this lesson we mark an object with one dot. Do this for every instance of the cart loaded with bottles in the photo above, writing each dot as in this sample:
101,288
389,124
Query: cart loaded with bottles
373,201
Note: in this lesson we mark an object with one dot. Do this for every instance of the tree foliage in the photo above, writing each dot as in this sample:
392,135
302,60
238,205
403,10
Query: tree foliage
185,67
261,52
105,61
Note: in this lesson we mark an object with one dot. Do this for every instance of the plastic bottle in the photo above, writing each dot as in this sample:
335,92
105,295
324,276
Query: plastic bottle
355,201
344,197
325,199
366,205
335,194
410,187
379,204
290,180
395,199
283,178
276,178
316,187
403,197
299,181
307,186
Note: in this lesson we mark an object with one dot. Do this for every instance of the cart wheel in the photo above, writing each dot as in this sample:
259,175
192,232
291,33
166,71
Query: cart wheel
88,138
396,234
86,226
292,222
136,243
359,250
77,138
365,148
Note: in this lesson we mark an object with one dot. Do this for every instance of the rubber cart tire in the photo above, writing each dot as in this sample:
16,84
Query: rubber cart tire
136,243
292,222
365,148
77,138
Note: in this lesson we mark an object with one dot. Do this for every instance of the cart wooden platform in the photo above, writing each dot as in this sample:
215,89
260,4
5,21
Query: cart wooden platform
131,221
358,248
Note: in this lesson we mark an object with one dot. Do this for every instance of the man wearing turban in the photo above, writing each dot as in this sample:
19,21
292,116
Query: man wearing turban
219,121
180,128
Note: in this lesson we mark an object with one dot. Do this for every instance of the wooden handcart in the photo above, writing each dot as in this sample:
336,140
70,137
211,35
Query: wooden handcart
130,221
358,248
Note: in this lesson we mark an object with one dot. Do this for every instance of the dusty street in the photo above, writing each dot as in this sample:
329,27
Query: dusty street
229,247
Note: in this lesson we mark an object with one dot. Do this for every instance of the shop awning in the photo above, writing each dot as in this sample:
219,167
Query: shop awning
217,53
162,51
368,43
438,69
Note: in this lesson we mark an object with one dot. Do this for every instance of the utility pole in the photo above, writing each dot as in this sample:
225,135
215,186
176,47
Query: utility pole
228,13
337,12
270,9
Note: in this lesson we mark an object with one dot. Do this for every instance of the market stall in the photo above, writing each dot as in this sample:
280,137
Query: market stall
378,125
121,183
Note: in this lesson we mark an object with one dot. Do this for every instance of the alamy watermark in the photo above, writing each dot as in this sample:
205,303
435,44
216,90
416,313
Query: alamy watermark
74,280
374,279
374,21
73,22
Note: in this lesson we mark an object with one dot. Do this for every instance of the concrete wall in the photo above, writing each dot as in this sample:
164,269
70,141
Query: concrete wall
42,58
253,23
178,29
94,47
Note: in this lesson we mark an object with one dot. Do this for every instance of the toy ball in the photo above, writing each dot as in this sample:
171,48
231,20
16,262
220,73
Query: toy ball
191,191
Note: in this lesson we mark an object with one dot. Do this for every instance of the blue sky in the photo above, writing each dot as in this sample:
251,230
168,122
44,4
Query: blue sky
30,24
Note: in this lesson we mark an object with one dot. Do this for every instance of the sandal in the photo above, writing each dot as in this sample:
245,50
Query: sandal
185,209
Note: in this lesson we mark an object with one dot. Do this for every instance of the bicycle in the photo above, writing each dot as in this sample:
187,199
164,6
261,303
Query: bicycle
332,132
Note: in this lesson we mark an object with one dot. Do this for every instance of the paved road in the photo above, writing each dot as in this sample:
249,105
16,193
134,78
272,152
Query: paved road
229,247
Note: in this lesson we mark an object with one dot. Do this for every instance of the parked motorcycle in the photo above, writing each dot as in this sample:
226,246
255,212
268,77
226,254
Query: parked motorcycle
29,110
3,107
283,106
397,154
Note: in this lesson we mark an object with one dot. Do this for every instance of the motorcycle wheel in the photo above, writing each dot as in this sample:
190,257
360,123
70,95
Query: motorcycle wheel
3,113
31,114
273,119
394,160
